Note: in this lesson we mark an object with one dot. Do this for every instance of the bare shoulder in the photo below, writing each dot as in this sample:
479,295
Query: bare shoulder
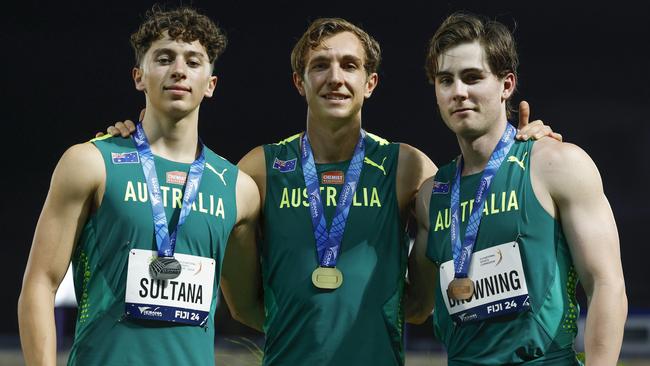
254,163
248,197
422,202
563,168
413,166
80,166
411,157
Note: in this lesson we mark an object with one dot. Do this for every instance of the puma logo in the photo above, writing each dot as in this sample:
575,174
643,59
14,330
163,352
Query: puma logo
513,159
372,163
220,175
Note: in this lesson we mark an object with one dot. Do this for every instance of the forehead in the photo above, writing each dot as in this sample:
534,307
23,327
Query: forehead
178,46
338,45
462,57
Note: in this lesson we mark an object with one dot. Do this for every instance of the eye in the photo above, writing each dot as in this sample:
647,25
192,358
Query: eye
319,66
445,80
350,66
472,78
164,60
194,63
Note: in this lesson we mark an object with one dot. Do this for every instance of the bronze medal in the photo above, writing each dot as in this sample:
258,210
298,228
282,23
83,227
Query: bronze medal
460,289
328,278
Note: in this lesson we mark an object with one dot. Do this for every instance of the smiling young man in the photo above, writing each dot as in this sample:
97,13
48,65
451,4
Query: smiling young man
506,230
145,221
324,292
335,204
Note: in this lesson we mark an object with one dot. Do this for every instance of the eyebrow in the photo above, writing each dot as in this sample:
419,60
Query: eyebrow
463,71
345,58
162,51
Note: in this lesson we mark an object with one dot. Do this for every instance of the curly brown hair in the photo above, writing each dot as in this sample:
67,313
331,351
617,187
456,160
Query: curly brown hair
323,28
495,38
182,23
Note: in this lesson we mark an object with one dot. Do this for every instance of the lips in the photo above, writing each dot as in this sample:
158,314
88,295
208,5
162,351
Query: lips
460,110
179,88
335,96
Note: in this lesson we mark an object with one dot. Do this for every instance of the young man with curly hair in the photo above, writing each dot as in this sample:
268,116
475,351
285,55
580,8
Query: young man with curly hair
144,221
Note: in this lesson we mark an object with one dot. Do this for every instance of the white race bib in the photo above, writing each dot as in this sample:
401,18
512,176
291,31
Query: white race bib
184,299
499,285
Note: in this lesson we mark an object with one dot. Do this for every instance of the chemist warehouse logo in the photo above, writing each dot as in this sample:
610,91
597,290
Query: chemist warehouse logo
146,310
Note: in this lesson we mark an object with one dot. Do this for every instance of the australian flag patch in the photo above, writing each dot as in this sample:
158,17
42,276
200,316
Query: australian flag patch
440,187
285,166
125,158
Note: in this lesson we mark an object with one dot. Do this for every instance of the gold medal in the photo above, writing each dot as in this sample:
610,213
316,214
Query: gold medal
327,278
460,289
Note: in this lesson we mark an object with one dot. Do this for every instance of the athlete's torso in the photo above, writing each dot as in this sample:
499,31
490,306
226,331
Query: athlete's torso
104,336
511,212
361,322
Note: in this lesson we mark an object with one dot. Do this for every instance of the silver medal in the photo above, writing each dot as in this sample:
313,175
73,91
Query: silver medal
164,268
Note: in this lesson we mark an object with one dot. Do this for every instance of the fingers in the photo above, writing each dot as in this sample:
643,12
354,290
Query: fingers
556,136
535,130
142,114
113,131
124,130
99,134
119,129
524,114
130,125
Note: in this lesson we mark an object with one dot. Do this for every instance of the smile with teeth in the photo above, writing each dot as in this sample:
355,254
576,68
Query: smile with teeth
335,96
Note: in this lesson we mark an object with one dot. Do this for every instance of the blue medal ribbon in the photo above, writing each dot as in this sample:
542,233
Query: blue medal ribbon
328,244
463,253
165,242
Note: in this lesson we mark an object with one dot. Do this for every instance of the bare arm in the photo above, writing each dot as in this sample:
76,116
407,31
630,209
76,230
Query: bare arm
74,191
240,276
422,273
413,168
567,175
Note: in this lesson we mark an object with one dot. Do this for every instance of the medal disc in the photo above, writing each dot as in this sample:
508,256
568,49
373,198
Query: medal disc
327,278
164,268
460,289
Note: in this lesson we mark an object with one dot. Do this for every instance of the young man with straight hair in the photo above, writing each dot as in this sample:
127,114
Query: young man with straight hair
506,230
145,221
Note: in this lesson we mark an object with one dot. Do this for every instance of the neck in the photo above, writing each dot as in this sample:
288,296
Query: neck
172,138
333,141
477,150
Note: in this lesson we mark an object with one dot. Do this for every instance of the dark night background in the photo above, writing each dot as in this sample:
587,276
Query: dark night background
66,73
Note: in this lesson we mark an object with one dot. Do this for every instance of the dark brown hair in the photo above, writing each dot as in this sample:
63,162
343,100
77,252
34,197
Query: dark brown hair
497,42
323,28
184,24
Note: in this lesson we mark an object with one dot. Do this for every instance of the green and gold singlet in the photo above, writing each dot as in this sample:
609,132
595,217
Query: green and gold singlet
103,335
545,333
361,322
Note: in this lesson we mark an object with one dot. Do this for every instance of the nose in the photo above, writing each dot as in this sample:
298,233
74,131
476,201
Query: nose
179,69
335,77
459,90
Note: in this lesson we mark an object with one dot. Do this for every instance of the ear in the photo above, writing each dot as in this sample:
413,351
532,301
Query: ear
137,74
371,84
212,84
299,83
509,84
